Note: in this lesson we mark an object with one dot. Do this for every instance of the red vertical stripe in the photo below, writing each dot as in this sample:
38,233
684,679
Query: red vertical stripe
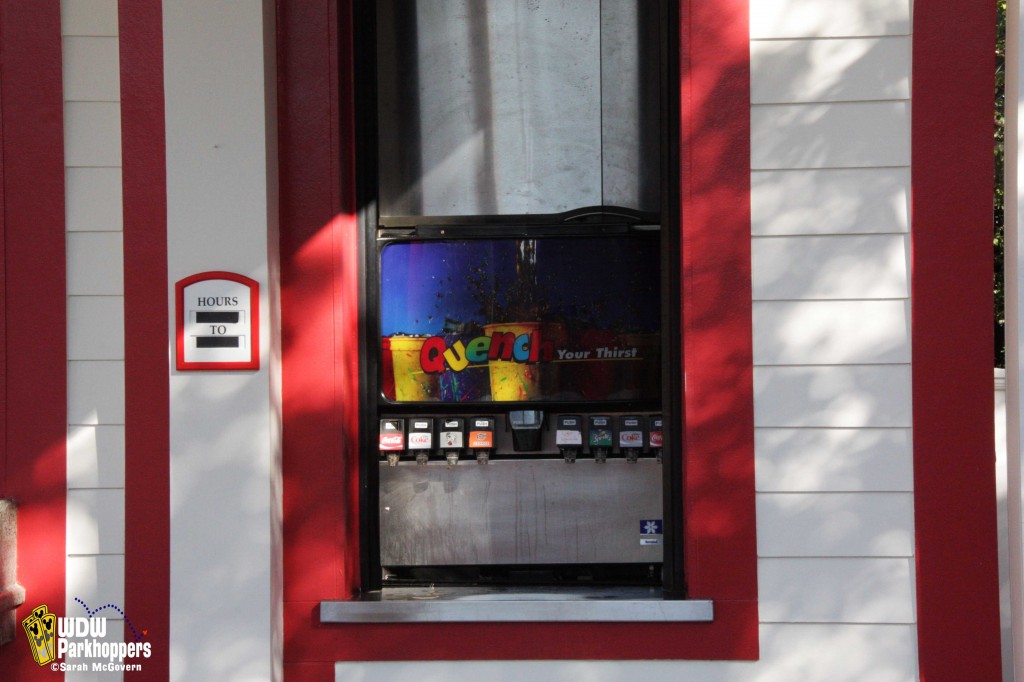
720,540
147,436
954,477
35,308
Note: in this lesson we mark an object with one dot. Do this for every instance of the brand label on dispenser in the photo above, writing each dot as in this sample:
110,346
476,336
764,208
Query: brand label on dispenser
569,431
421,434
392,442
451,434
451,439
392,436
631,439
568,437
420,440
600,432
631,434
481,439
656,432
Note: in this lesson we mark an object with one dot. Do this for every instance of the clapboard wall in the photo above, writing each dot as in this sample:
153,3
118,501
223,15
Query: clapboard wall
829,237
95,287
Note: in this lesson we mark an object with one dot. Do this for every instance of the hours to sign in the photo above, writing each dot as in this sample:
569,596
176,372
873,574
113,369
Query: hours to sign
217,319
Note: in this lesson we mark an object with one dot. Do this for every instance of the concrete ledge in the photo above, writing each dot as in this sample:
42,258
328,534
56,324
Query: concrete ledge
468,604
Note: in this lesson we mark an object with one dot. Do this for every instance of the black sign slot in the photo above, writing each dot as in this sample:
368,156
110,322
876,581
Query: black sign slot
221,316
218,341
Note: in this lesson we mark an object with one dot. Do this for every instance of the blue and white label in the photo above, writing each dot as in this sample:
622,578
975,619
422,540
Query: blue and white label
650,527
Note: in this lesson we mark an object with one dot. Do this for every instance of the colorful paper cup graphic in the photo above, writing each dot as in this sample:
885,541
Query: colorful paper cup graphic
412,384
511,380
387,385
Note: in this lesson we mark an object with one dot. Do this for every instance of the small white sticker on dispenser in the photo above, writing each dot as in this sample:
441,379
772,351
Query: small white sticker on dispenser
217,320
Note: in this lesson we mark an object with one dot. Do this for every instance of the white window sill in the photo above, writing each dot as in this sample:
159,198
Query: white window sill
474,604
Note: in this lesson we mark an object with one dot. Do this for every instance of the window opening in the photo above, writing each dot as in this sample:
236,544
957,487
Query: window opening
519,224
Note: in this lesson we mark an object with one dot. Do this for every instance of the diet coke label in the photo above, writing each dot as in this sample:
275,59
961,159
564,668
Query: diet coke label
631,439
420,440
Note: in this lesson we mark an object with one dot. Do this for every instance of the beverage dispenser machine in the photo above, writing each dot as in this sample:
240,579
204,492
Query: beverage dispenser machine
537,361
515,227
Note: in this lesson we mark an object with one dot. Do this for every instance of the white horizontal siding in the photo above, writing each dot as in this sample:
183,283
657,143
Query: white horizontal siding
95,287
830,201
93,199
97,579
96,456
92,134
841,267
831,318
95,521
817,18
835,524
843,396
90,69
830,135
831,459
95,328
836,590
95,264
88,17
835,653
830,70
831,332
789,653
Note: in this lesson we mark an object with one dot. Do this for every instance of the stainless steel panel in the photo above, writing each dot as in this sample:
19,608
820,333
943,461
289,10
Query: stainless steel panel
519,512
411,605
518,107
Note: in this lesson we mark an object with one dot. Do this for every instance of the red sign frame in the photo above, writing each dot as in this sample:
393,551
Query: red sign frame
253,362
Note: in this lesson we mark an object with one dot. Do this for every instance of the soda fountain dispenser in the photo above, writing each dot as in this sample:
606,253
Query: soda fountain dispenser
452,438
569,437
481,438
421,438
514,305
631,437
575,385
391,441
599,430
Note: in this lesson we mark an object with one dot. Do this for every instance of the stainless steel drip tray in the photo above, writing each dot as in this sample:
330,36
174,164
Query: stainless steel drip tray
479,604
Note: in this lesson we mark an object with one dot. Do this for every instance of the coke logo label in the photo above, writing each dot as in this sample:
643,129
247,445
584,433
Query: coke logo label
388,442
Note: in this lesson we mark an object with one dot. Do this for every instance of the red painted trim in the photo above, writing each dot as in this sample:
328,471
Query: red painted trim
717,334
954,480
35,309
146,329
319,294
320,536
254,322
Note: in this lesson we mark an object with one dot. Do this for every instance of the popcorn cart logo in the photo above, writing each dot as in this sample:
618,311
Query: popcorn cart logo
41,629
81,644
